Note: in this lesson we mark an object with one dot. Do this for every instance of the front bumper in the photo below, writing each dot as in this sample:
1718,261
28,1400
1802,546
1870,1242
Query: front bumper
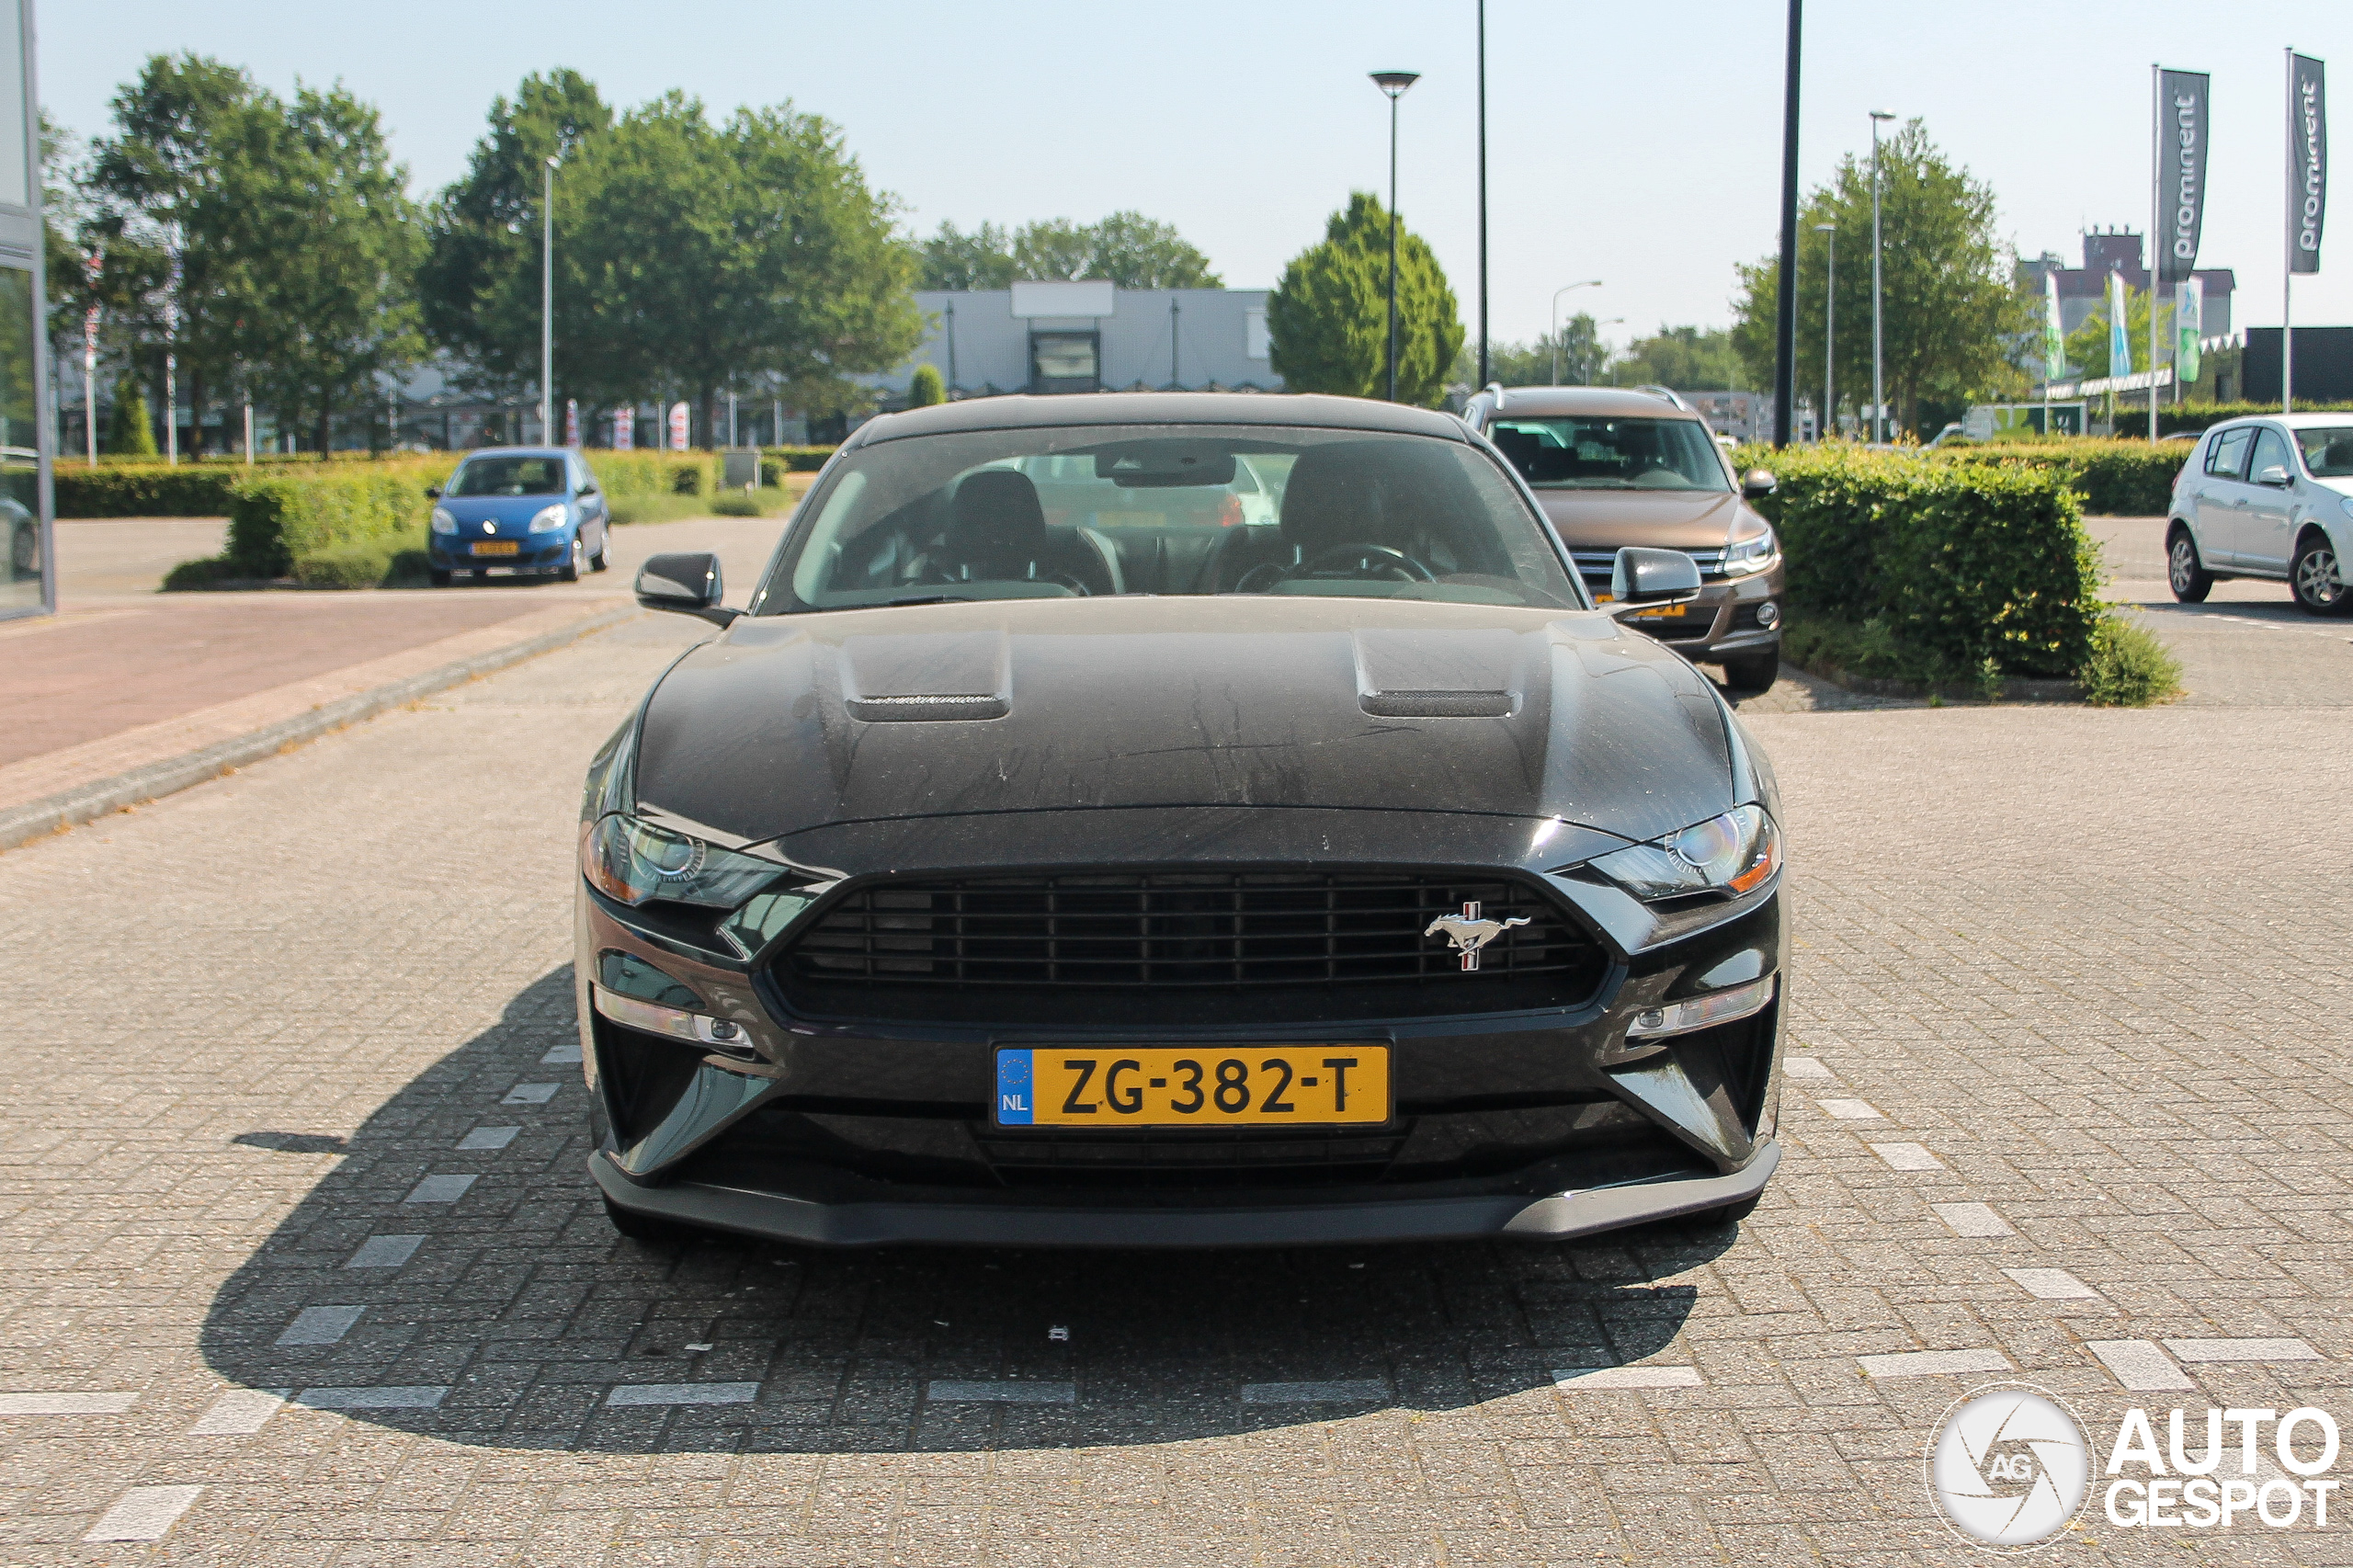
541,552
1721,623
776,1216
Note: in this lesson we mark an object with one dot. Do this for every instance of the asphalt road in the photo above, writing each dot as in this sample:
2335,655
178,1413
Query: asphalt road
2073,1075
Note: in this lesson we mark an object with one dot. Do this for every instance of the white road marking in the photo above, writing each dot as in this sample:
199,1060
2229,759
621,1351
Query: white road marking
1626,1378
1805,1067
1933,1363
384,1252
2139,1364
240,1412
684,1393
321,1325
440,1189
1335,1391
942,1391
145,1513
531,1094
485,1138
66,1403
1908,1157
562,1056
1851,1111
2052,1285
413,1396
1973,1219
2241,1350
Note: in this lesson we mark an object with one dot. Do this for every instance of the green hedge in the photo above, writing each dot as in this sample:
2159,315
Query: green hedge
2191,418
627,474
792,460
145,490
1958,562
280,523
2124,479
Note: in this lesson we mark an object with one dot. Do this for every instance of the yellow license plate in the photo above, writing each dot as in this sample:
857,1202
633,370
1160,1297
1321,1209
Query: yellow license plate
1258,1085
498,547
1663,612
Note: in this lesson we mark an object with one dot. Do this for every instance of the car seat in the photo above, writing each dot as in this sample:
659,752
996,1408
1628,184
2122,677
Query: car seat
996,531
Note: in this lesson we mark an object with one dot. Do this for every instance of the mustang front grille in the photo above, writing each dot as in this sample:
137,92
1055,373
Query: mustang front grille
1211,945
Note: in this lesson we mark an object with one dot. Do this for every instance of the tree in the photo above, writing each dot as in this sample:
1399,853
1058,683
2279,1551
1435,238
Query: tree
1126,249
2087,355
1950,305
479,286
129,433
692,258
951,259
925,388
1328,316
1687,359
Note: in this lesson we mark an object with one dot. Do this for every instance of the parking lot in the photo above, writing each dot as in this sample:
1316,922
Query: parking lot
303,1267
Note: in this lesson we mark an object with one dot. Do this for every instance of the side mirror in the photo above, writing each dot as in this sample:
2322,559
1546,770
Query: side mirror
1757,483
2275,475
589,488
686,582
433,493
1651,578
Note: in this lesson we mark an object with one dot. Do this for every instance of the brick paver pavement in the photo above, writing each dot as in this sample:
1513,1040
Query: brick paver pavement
2069,984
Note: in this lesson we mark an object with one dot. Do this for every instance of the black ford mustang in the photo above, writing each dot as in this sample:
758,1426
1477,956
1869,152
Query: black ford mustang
1184,820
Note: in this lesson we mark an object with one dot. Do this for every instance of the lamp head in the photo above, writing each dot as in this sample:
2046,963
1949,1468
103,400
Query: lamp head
1395,81
1883,113
1825,228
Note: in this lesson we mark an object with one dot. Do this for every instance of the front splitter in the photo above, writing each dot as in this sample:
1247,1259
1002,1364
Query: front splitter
780,1217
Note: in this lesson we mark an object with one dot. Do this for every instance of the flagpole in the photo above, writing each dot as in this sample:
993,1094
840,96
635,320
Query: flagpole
2288,258
2156,199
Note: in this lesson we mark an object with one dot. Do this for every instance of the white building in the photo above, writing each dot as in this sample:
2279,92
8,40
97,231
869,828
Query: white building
1069,338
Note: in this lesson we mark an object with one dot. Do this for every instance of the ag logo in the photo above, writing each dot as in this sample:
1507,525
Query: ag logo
2009,1466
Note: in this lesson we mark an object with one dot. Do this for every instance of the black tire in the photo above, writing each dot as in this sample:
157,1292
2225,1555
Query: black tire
440,578
2317,578
569,571
1754,673
597,562
2184,569
644,1228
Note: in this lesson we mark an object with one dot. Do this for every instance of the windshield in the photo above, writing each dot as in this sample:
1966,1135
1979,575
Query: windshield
2329,451
508,476
1098,510
1570,453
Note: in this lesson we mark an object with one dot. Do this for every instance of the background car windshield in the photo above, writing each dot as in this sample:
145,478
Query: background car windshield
508,476
2329,451
1611,454
1128,510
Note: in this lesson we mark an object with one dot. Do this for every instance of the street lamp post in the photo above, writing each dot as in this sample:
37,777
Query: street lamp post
1823,426
1485,367
1589,283
1394,83
547,308
1879,390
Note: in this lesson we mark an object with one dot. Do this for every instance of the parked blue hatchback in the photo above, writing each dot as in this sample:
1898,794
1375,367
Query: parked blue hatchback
531,510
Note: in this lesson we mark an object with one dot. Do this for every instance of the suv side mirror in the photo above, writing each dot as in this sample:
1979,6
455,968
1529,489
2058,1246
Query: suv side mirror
1757,483
686,581
2273,474
1652,578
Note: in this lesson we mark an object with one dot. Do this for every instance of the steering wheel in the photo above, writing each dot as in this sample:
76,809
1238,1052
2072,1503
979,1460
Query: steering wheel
1377,562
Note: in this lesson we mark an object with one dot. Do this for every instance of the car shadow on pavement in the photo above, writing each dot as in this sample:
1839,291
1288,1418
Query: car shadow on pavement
514,1316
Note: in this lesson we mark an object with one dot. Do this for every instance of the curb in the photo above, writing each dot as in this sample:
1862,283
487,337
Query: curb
102,797
2016,688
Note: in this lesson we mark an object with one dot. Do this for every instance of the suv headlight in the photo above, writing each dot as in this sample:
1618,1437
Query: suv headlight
549,519
1746,555
443,523
633,861
1735,853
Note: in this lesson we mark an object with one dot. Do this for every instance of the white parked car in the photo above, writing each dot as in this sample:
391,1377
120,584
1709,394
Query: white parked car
2269,498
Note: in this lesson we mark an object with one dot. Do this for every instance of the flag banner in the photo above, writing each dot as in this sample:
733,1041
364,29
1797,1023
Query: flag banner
2181,170
677,426
2120,341
2188,322
2307,161
572,422
625,428
2055,342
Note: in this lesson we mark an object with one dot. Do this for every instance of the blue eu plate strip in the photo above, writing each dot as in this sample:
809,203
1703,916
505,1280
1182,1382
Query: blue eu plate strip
1014,1101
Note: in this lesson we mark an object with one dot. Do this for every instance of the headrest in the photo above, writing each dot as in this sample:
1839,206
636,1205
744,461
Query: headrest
996,520
1520,447
1331,500
2339,454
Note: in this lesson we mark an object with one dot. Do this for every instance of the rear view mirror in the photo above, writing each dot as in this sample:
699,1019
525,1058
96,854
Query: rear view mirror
1164,465
1757,483
1651,578
686,581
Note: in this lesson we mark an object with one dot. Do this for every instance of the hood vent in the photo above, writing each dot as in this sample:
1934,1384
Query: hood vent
925,678
925,710
1437,704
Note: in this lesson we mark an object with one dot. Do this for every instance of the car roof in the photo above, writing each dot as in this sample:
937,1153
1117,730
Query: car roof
1025,412
1597,402
519,452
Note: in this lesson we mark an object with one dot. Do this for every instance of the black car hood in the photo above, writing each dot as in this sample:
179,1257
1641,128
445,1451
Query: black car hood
787,724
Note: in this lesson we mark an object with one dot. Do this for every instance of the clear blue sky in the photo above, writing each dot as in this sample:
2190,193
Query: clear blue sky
1637,144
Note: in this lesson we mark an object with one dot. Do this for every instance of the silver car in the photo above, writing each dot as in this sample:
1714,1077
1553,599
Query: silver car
2269,498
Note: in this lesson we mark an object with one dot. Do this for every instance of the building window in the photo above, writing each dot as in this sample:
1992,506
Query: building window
1065,362
20,584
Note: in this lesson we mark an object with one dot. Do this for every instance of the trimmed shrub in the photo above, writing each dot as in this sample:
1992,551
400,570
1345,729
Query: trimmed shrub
377,561
626,475
129,434
794,459
2129,479
2129,667
278,521
191,490
925,387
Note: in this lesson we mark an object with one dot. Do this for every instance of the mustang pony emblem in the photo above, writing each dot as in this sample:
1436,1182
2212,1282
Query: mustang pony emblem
1469,933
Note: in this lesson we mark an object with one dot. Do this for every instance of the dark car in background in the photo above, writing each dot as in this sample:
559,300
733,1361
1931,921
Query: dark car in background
1332,871
1614,469
526,511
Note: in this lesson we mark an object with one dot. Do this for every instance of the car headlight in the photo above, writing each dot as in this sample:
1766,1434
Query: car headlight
633,861
549,519
443,523
1735,853
1746,555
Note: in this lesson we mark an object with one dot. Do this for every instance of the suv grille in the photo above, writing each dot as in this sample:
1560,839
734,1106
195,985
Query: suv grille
1182,946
